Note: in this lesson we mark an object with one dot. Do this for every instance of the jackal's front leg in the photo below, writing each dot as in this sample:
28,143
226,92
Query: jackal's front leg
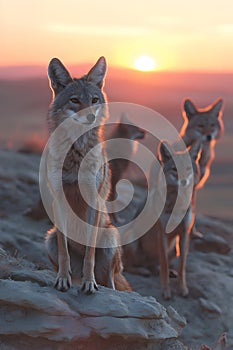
63,279
184,247
164,266
89,284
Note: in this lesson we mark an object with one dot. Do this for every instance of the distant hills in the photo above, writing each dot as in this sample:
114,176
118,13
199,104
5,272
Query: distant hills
25,95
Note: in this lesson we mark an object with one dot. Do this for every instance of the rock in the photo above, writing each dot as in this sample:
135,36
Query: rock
36,316
33,315
209,306
212,243
216,226
176,318
213,224
220,345
18,182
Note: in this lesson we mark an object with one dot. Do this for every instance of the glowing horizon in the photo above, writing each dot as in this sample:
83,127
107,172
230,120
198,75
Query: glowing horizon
77,31
145,63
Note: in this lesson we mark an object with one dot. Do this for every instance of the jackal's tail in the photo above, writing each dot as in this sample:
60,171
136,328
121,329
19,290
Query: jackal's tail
121,283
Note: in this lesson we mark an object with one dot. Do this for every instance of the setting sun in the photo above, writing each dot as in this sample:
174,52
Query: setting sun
145,64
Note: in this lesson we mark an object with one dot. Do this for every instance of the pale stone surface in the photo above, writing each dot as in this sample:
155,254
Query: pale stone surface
30,311
48,319
34,315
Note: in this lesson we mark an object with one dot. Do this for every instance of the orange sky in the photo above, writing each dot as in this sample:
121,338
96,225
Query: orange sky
179,35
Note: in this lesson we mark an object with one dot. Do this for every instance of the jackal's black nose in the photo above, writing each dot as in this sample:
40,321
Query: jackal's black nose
209,137
91,118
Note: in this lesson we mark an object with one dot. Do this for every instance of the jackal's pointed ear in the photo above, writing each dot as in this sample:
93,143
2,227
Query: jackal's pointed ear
164,151
97,73
189,108
216,107
58,75
195,149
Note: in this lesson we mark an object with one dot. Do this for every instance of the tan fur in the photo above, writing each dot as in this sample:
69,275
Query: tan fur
157,245
102,265
167,241
204,125
123,129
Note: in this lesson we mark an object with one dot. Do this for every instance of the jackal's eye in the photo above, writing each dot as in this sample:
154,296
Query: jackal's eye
95,100
74,100
201,126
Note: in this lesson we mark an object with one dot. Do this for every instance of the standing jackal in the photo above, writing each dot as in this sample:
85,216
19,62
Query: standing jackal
95,265
157,244
183,230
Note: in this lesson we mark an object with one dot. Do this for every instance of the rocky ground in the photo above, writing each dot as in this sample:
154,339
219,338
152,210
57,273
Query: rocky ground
36,316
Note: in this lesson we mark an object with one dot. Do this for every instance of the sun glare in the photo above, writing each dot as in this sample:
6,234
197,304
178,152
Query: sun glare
145,64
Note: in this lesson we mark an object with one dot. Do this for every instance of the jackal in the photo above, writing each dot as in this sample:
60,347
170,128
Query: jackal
206,125
157,245
71,99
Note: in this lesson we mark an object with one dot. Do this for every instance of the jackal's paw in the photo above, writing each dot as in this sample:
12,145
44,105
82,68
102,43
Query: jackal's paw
63,282
89,287
184,291
167,293
173,273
